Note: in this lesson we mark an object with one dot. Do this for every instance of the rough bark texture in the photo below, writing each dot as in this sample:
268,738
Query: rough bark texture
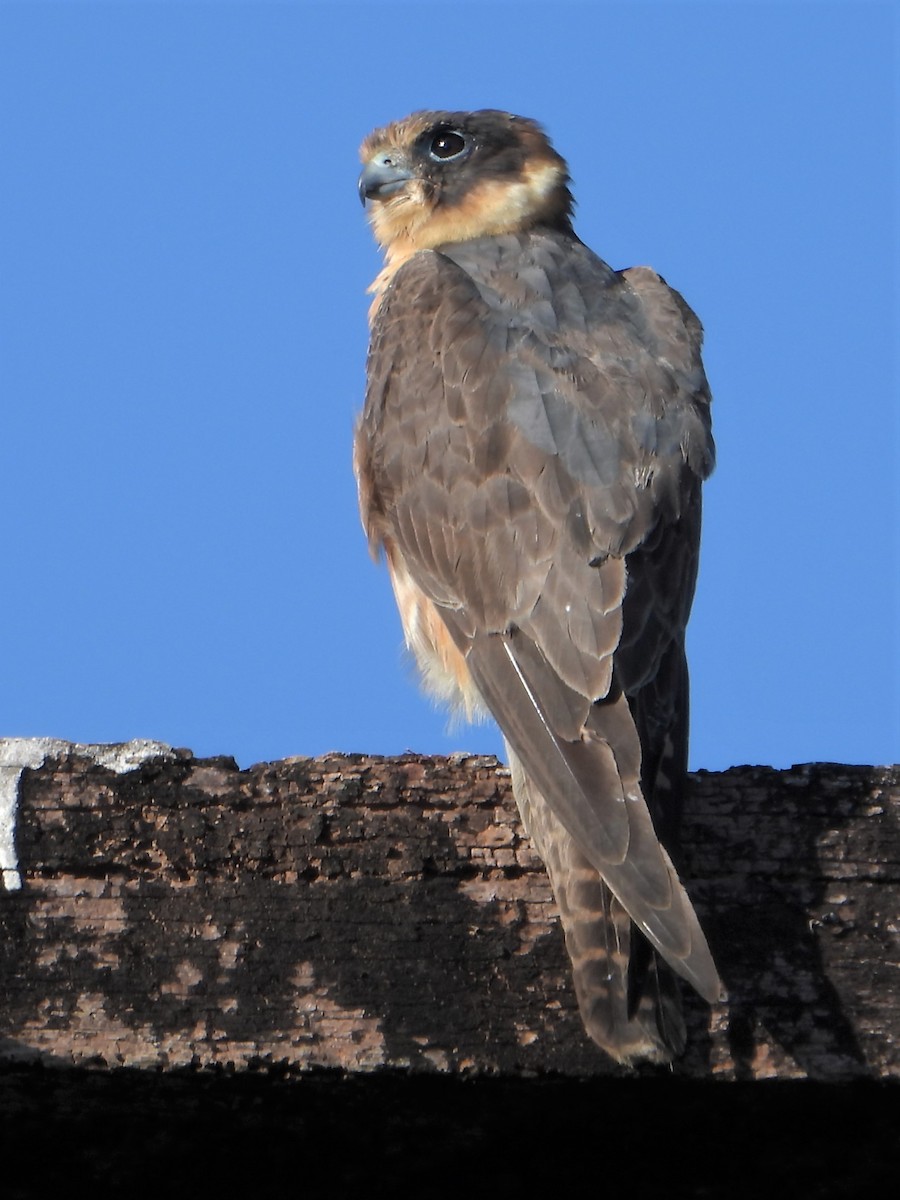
364,913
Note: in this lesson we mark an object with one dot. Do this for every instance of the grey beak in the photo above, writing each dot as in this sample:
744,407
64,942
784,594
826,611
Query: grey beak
382,176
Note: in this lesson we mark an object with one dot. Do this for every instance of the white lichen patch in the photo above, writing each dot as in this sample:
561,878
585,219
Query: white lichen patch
19,754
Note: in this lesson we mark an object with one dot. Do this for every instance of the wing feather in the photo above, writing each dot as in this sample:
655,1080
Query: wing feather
536,427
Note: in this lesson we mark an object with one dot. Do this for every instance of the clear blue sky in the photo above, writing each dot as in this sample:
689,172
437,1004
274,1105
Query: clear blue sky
183,262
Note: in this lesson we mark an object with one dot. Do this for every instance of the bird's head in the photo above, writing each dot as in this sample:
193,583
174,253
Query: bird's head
440,177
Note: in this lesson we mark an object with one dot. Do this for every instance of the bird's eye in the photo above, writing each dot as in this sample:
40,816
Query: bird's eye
447,144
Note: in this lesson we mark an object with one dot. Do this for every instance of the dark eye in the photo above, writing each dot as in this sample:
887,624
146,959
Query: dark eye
446,144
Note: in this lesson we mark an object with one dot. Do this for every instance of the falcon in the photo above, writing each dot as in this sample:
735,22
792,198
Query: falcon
529,459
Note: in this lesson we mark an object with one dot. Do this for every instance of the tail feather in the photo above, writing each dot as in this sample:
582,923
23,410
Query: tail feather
627,996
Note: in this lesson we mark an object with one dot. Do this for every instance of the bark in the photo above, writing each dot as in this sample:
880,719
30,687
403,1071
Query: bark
365,913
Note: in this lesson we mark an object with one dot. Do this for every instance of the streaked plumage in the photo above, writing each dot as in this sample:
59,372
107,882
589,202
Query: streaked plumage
529,458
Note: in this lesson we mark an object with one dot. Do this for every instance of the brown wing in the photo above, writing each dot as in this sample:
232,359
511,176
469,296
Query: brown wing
534,419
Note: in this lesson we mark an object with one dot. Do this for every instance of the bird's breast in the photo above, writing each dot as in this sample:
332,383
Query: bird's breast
444,670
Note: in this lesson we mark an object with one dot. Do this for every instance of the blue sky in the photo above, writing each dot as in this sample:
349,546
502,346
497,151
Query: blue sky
183,262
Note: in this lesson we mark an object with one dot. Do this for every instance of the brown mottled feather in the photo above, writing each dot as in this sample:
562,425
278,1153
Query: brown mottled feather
535,432
599,936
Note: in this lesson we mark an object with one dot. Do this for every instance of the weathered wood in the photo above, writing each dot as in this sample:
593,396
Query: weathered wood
362,913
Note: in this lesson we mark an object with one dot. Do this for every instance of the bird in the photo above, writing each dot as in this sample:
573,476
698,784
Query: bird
529,460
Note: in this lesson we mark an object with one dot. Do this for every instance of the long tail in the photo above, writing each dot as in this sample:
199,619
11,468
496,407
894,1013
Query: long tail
628,1023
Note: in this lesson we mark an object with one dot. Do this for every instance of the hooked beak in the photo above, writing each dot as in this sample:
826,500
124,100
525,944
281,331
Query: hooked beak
382,176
